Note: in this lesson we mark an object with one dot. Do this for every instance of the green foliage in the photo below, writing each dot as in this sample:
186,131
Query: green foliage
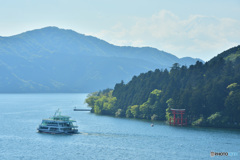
154,117
102,102
168,114
152,106
91,98
232,105
215,119
210,93
232,86
233,57
198,122
129,113
119,113
144,111
170,103
135,110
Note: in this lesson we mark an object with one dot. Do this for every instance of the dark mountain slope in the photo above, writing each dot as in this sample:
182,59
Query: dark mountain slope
209,92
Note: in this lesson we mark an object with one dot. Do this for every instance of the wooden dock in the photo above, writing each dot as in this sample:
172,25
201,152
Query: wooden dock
75,109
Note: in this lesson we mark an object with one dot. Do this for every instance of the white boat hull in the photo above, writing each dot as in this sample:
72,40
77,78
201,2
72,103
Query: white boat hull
58,132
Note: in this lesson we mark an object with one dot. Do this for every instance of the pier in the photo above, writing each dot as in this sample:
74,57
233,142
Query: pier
75,109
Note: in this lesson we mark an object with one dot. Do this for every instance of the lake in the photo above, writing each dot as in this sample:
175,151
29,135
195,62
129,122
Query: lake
101,137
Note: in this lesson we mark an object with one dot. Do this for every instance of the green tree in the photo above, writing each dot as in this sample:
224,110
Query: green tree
119,113
232,104
135,111
168,114
91,98
129,113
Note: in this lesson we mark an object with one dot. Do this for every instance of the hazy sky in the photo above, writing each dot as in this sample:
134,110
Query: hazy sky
196,28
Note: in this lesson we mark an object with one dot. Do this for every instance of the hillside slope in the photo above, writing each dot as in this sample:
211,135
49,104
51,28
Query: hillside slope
209,92
57,60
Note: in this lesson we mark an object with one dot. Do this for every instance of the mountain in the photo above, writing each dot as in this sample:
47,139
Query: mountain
58,60
210,93
229,55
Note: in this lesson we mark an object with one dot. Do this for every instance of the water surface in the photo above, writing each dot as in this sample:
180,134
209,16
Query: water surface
101,137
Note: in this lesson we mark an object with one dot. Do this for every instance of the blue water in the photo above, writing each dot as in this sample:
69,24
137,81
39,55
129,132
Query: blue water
101,137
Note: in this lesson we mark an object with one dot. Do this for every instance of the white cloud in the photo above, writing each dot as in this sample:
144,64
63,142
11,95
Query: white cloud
197,36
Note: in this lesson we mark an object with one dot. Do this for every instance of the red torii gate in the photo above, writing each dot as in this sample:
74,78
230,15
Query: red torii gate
176,119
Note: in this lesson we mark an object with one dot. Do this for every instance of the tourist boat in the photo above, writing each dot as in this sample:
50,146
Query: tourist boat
58,124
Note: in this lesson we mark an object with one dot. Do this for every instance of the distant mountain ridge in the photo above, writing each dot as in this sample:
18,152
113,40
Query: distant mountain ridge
58,60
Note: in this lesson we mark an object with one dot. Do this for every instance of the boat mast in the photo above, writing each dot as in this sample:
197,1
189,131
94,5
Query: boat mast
57,111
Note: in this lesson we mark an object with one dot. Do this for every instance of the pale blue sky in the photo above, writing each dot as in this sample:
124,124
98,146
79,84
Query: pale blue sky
196,28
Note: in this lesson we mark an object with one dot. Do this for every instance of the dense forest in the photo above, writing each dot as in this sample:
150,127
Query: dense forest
209,92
